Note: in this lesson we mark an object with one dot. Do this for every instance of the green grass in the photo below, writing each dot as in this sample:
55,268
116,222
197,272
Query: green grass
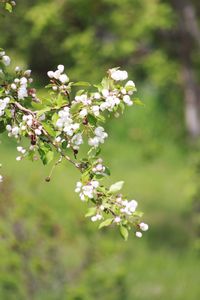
63,256
162,265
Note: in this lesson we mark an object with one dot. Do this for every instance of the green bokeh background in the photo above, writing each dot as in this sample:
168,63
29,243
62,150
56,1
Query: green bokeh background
48,250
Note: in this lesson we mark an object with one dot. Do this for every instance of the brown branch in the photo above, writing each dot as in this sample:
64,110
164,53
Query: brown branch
28,111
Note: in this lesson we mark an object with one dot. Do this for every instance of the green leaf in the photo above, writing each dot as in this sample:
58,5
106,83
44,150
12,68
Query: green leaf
60,101
137,101
81,83
138,214
116,187
55,118
42,111
130,88
80,92
8,7
92,120
49,129
105,83
94,152
106,223
91,211
122,106
99,176
75,107
107,171
2,126
124,232
45,152
101,118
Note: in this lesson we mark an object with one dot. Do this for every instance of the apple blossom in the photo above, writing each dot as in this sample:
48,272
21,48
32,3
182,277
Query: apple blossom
74,115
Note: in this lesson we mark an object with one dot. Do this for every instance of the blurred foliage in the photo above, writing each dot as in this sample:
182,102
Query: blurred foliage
47,250
89,37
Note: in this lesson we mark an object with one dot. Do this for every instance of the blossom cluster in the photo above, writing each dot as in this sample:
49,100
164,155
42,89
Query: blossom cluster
88,190
76,114
4,58
3,104
123,211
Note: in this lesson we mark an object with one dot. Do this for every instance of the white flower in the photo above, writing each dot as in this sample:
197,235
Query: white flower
93,142
118,75
61,68
93,218
99,138
138,234
13,86
42,117
123,91
28,119
83,99
144,226
95,183
83,113
77,140
27,73
102,207
130,83
57,74
3,105
17,69
22,92
96,218
78,187
95,110
50,74
7,100
99,167
88,190
63,78
2,53
8,127
23,127
15,131
19,148
1,178
127,100
38,131
58,139
110,102
117,219
18,158
23,80
100,134
97,96
129,207
105,93
6,60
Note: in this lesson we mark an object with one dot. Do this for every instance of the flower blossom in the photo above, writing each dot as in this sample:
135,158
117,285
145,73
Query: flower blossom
58,74
100,136
118,75
88,190
3,104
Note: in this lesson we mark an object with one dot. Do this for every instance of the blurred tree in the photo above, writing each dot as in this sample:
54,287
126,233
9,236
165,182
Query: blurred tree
187,35
155,40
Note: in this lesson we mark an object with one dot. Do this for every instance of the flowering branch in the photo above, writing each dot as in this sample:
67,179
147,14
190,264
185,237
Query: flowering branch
57,127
